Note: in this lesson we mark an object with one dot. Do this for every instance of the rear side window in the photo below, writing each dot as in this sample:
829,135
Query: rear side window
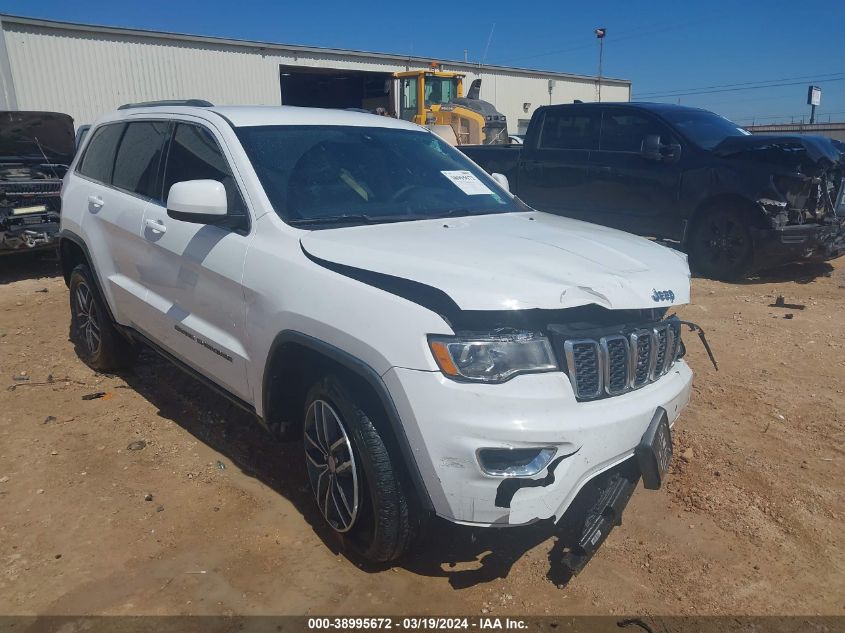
138,157
98,161
570,130
625,131
195,155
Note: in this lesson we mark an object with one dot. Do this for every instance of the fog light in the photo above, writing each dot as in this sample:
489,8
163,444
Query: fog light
514,462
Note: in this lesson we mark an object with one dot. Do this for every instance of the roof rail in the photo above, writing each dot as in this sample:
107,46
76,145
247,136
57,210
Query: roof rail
197,103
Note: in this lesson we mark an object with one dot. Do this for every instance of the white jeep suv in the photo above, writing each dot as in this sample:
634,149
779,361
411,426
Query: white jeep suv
437,346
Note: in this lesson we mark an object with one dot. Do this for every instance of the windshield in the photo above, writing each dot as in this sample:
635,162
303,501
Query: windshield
439,90
703,128
316,175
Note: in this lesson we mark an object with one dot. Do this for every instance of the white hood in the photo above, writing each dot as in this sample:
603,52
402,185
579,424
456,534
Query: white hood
514,261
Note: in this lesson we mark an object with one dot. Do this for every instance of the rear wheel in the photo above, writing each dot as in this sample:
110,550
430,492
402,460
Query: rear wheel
97,341
358,490
720,245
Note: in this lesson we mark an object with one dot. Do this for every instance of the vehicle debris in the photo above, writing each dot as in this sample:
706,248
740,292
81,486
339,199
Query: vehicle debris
95,396
49,419
137,445
780,302
697,328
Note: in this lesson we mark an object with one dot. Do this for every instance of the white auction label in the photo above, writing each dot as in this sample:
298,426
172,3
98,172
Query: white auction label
467,182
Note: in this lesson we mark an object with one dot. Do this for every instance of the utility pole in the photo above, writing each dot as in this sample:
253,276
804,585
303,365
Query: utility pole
600,33
466,52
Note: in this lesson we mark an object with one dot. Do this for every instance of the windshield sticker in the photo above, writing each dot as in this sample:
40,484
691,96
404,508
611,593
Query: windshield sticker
467,182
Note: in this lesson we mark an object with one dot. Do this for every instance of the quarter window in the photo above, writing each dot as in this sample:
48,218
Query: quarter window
137,162
195,155
98,160
570,130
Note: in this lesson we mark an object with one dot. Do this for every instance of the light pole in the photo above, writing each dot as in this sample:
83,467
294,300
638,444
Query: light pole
600,33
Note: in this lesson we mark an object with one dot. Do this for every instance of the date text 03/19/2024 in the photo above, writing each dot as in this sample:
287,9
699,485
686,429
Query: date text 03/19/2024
418,624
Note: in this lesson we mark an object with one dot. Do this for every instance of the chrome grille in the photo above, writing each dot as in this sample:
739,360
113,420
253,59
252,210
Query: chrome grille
615,364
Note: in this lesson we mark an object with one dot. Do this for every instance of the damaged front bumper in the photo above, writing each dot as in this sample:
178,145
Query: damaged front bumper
448,422
797,242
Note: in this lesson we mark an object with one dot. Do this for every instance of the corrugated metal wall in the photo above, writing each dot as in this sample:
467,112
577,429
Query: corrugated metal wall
86,73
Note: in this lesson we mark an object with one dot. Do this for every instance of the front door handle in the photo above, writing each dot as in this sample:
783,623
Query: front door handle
156,226
95,202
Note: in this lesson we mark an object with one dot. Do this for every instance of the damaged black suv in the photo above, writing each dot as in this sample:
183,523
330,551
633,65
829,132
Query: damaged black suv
35,151
736,202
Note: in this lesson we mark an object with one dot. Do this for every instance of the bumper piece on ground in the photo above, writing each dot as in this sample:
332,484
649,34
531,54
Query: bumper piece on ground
614,491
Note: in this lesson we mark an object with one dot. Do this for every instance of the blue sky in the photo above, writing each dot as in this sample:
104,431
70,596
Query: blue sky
663,46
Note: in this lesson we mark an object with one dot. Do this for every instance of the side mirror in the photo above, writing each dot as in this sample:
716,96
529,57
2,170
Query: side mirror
671,152
651,148
502,181
198,201
654,149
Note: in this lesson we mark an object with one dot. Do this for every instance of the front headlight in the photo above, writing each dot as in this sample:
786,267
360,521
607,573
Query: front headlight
492,356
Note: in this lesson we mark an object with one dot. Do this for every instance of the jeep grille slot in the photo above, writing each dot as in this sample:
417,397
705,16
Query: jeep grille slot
617,364
620,362
584,356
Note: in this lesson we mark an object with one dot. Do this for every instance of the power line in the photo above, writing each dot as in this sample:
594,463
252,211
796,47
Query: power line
707,92
686,91
785,116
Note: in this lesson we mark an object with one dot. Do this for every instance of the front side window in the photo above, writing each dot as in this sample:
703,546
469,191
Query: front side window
570,130
626,131
316,175
98,161
137,162
195,155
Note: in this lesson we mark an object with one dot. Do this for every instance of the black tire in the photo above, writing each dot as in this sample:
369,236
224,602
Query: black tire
97,341
379,529
720,245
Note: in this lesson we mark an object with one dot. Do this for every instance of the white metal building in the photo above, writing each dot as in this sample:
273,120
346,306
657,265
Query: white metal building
85,70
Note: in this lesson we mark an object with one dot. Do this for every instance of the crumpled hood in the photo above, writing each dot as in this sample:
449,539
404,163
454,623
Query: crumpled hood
817,148
512,261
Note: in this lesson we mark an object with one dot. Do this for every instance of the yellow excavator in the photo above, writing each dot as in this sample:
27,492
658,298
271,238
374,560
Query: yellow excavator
436,100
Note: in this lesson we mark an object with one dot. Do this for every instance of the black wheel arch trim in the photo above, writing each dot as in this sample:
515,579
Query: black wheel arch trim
373,379
65,234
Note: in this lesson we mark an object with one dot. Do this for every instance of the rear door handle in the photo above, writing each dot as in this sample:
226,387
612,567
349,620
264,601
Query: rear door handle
156,226
95,202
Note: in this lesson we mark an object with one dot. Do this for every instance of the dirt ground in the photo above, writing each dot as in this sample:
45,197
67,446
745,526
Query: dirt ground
749,523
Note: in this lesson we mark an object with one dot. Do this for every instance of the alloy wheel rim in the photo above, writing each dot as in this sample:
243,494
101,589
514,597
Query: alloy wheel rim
331,466
87,317
724,242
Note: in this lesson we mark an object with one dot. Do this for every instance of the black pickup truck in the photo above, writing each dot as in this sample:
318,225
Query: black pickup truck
736,202
35,151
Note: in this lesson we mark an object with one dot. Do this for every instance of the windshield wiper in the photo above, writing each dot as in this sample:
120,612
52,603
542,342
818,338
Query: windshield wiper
332,219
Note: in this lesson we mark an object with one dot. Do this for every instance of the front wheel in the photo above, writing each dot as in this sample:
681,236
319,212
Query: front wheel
720,245
97,341
358,489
